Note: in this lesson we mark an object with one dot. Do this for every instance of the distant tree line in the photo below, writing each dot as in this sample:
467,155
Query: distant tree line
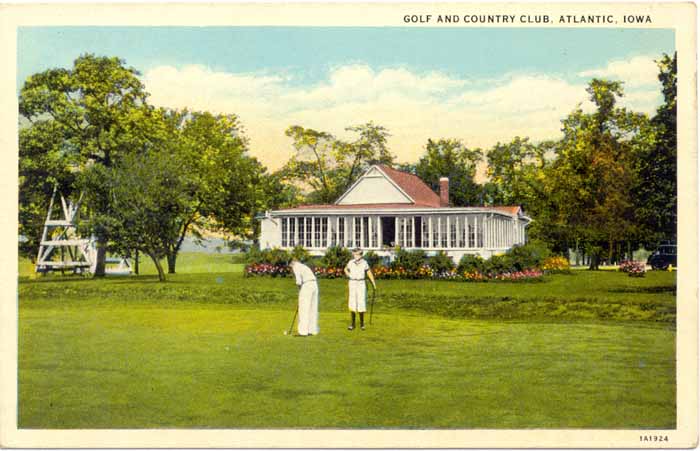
152,176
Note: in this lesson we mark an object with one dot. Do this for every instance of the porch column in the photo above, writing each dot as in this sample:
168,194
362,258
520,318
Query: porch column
379,232
413,229
404,224
447,229
362,232
396,231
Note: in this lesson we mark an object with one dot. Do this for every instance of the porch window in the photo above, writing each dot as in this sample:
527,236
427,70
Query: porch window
480,232
341,232
454,223
436,231
443,232
358,231
374,232
365,232
292,227
409,231
324,232
309,232
425,232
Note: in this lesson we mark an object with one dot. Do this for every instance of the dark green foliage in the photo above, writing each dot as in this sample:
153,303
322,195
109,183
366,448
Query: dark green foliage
275,256
336,257
441,262
300,253
498,264
471,263
530,255
450,158
373,260
409,260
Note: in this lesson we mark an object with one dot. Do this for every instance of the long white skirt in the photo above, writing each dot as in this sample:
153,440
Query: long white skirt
308,309
357,296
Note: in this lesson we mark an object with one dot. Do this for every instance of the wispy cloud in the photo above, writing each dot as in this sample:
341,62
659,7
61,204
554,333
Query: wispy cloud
413,106
639,71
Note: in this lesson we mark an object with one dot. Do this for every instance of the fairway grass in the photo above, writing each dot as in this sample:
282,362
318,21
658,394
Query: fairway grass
207,350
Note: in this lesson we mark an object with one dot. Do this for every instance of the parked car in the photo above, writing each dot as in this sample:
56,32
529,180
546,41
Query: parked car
662,257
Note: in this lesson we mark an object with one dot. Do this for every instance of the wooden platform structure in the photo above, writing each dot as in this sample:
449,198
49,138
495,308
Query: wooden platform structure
61,248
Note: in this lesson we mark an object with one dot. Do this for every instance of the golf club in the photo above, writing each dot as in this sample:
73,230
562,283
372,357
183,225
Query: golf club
371,305
292,324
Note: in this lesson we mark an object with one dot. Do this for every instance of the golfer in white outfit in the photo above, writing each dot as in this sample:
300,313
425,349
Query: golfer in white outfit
308,298
355,270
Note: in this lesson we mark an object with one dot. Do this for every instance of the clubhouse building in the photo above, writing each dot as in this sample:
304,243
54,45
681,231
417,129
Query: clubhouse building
386,208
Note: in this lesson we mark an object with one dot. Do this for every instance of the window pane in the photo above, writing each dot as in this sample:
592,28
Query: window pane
324,232
284,232
443,232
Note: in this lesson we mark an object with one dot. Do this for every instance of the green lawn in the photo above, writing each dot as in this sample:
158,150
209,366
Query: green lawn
206,349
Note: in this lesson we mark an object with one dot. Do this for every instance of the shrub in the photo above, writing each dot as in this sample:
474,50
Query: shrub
373,259
441,263
408,260
471,263
300,253
273,256
336,257
498,264
530,255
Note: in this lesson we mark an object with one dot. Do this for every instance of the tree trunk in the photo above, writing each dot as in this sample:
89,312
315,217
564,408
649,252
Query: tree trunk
136,262
595,261
101,258
159,267
172,258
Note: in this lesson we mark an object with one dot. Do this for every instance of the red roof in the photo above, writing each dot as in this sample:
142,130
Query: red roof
511,210
422,195
412,185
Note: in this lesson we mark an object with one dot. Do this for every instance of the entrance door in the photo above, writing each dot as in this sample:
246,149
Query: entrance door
388,231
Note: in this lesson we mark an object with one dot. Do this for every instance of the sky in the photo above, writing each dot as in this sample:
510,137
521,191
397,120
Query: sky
479,85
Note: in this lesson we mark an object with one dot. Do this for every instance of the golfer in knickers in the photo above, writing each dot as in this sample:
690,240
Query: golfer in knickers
356,269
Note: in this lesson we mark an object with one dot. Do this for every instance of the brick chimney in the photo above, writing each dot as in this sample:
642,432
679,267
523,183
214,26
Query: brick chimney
444,192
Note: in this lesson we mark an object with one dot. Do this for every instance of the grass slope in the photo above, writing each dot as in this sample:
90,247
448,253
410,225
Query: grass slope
206,349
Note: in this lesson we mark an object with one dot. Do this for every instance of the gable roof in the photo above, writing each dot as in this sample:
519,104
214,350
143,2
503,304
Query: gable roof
420,193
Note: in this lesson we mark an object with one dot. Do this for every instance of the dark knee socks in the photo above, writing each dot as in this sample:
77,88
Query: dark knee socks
362,318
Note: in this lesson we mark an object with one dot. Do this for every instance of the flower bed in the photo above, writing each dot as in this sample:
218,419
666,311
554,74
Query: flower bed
424,272
556,264
633,268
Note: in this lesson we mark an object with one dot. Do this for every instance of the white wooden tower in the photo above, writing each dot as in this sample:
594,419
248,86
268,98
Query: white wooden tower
61,248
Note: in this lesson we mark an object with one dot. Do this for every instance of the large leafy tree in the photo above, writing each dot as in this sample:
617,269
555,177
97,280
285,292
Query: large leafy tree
225,186
326,166
451,158
93,112
149,197
515,172
656,191
594,173
42,166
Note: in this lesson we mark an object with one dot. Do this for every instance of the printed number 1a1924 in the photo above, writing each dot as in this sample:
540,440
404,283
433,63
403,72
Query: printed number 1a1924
653,438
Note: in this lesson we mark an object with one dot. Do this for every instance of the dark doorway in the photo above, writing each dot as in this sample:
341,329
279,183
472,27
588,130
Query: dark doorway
417,235
388,231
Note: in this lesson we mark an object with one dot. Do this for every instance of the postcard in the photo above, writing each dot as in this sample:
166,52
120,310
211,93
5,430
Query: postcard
344,225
